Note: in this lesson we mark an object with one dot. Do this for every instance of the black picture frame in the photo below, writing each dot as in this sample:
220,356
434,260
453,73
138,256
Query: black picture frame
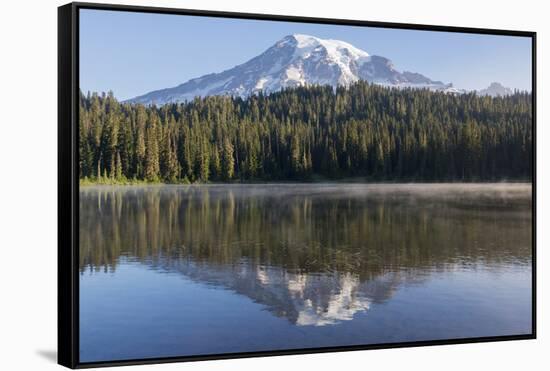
68,184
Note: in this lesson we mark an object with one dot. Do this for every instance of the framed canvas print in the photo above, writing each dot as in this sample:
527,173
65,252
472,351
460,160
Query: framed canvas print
235,185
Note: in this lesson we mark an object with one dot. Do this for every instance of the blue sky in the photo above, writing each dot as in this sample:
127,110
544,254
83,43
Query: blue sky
134,53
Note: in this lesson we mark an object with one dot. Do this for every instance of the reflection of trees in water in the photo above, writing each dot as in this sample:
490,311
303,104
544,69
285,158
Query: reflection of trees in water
306,232
312,254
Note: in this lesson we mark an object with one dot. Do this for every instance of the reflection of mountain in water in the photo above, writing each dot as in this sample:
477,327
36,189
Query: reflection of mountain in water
304,299
315,255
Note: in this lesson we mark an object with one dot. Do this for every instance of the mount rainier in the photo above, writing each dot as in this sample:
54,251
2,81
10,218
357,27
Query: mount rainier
296,60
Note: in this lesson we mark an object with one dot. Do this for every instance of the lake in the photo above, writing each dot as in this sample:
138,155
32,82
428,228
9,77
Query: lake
210,269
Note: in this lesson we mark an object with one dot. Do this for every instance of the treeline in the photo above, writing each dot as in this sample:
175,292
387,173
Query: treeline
309,133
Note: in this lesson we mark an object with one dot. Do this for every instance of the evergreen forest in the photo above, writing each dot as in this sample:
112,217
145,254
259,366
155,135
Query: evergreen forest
316,133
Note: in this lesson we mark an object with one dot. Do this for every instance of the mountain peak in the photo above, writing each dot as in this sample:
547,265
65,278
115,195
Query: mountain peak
301,38
294,60
496,89
496,85
309,42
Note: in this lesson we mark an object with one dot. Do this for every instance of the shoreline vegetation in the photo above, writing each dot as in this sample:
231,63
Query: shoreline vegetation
360,133
136,182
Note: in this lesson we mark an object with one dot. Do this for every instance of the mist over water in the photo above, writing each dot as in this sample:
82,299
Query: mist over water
174,270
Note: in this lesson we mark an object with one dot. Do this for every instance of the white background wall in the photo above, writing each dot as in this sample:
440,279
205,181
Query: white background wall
28,155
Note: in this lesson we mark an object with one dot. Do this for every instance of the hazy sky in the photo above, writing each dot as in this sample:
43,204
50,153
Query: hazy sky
134,53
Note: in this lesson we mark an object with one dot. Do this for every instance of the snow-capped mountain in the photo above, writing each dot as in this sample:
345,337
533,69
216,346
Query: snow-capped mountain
296,60
496,89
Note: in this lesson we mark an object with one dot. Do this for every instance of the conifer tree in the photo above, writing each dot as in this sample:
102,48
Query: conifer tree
152,166
228,162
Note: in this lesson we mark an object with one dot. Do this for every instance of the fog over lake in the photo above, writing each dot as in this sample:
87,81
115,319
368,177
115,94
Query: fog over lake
175,270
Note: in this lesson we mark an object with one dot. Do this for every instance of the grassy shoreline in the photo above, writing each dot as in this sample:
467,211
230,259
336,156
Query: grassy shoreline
136,182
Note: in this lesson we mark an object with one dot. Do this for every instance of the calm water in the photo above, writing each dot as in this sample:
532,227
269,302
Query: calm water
186,270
